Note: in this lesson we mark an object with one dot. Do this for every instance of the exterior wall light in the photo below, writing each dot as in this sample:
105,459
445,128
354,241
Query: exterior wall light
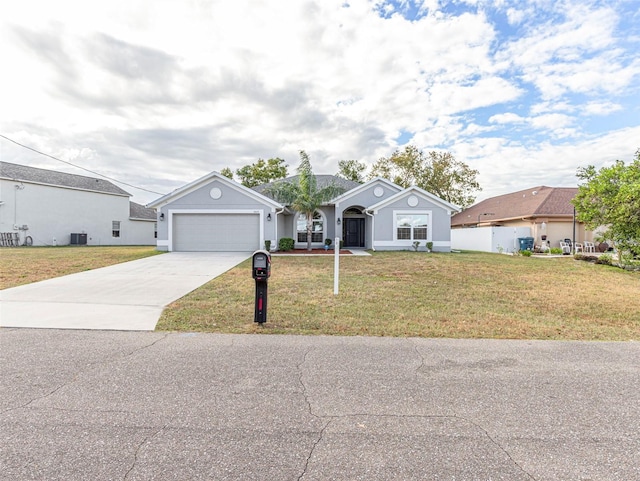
269,217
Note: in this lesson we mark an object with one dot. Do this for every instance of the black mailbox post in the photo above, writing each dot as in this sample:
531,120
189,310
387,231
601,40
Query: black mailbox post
261,271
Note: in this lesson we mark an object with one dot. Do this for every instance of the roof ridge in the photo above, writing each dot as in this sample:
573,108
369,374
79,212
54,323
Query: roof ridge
39,175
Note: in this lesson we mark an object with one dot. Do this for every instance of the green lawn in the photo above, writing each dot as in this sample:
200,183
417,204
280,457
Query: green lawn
23,265
458,295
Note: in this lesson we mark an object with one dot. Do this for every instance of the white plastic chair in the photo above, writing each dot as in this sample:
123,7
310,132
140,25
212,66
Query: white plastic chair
589,246
566,248
578,247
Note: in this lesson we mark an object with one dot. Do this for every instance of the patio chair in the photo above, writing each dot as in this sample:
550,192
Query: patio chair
589,247
566,248
578,247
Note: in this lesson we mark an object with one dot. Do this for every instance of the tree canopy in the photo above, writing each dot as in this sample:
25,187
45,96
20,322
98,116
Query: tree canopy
227,172
352,170
610,198
436,172
262,172
304,196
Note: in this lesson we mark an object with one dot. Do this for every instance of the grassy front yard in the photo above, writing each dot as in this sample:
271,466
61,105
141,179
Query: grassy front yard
466,295
23,265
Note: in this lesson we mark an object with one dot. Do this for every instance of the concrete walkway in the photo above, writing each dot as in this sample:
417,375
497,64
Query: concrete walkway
78,405
127,296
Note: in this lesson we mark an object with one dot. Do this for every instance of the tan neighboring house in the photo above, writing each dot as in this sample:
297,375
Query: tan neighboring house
546,213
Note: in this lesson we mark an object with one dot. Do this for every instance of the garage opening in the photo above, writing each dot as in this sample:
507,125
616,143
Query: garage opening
216,232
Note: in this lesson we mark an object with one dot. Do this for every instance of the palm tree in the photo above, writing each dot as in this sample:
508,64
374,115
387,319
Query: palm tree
304,196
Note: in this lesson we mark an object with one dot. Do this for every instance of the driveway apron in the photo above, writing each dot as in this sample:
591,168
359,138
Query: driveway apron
127,296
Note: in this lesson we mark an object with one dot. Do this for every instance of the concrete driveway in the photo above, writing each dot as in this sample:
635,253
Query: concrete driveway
109,405
127,296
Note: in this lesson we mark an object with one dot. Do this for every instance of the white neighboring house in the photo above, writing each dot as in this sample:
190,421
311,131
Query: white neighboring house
56,208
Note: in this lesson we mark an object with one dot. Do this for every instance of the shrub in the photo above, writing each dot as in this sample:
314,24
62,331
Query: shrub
267,245
286,244
526,253
605,259
556,250
429,246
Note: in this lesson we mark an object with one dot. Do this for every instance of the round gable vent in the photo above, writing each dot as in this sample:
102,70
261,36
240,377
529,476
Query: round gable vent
215,193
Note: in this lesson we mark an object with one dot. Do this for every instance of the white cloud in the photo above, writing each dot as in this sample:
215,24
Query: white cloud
601,108
184,88
506,118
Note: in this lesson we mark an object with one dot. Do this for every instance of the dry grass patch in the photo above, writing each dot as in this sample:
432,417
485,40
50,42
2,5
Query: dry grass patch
470,295
23,265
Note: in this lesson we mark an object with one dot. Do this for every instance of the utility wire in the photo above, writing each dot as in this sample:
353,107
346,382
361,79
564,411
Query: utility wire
79,167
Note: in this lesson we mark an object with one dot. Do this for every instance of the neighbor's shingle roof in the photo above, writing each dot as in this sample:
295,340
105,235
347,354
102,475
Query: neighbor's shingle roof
61,179
137,211
321,181
539,201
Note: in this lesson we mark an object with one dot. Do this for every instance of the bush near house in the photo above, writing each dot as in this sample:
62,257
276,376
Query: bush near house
286,244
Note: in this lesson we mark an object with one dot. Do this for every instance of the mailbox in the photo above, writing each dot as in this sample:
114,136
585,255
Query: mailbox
261,266
261,271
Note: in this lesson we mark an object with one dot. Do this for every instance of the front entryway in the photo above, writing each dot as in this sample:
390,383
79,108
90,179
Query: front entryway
353,232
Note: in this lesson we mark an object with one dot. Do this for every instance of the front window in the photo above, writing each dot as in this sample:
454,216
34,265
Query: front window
411,226
317,230
115,228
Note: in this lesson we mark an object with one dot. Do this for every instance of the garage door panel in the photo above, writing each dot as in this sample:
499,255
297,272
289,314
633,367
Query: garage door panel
216,232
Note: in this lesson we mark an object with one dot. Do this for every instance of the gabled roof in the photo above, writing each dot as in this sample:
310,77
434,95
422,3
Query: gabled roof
140,212
321,181
362,187
539,201
415,190
196,184
34,175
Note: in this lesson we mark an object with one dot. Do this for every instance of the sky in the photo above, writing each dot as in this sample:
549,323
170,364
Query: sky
160,93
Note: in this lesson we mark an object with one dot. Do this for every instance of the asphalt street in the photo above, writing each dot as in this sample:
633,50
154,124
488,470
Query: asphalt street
110,405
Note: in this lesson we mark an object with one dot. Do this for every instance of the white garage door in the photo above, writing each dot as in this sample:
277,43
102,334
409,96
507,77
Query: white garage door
216,232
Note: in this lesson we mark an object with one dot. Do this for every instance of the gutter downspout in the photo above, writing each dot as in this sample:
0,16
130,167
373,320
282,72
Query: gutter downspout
373,229
276,225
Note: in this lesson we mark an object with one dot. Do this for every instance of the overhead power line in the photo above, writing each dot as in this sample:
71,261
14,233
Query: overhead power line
79,167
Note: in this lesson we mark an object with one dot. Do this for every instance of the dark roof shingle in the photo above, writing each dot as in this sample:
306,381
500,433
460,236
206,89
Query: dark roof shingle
137,211
61,179
321,181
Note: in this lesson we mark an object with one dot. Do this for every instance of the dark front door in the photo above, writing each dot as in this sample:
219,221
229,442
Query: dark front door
353,232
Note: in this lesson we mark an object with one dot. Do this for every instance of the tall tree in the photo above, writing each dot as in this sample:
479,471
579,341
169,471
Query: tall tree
304,196
437,172
610,198
352,170
262,172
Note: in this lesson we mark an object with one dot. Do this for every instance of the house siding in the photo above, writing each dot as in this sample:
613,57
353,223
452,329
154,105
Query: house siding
53,213
231,200
439,229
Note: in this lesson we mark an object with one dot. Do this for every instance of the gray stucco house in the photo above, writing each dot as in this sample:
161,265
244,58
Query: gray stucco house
56,208
215,213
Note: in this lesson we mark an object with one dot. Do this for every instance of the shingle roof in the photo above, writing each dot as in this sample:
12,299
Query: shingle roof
539,201
61,179
137,211
321,181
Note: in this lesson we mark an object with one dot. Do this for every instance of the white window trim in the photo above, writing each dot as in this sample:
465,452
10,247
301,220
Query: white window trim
114,230
302,245
409,242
